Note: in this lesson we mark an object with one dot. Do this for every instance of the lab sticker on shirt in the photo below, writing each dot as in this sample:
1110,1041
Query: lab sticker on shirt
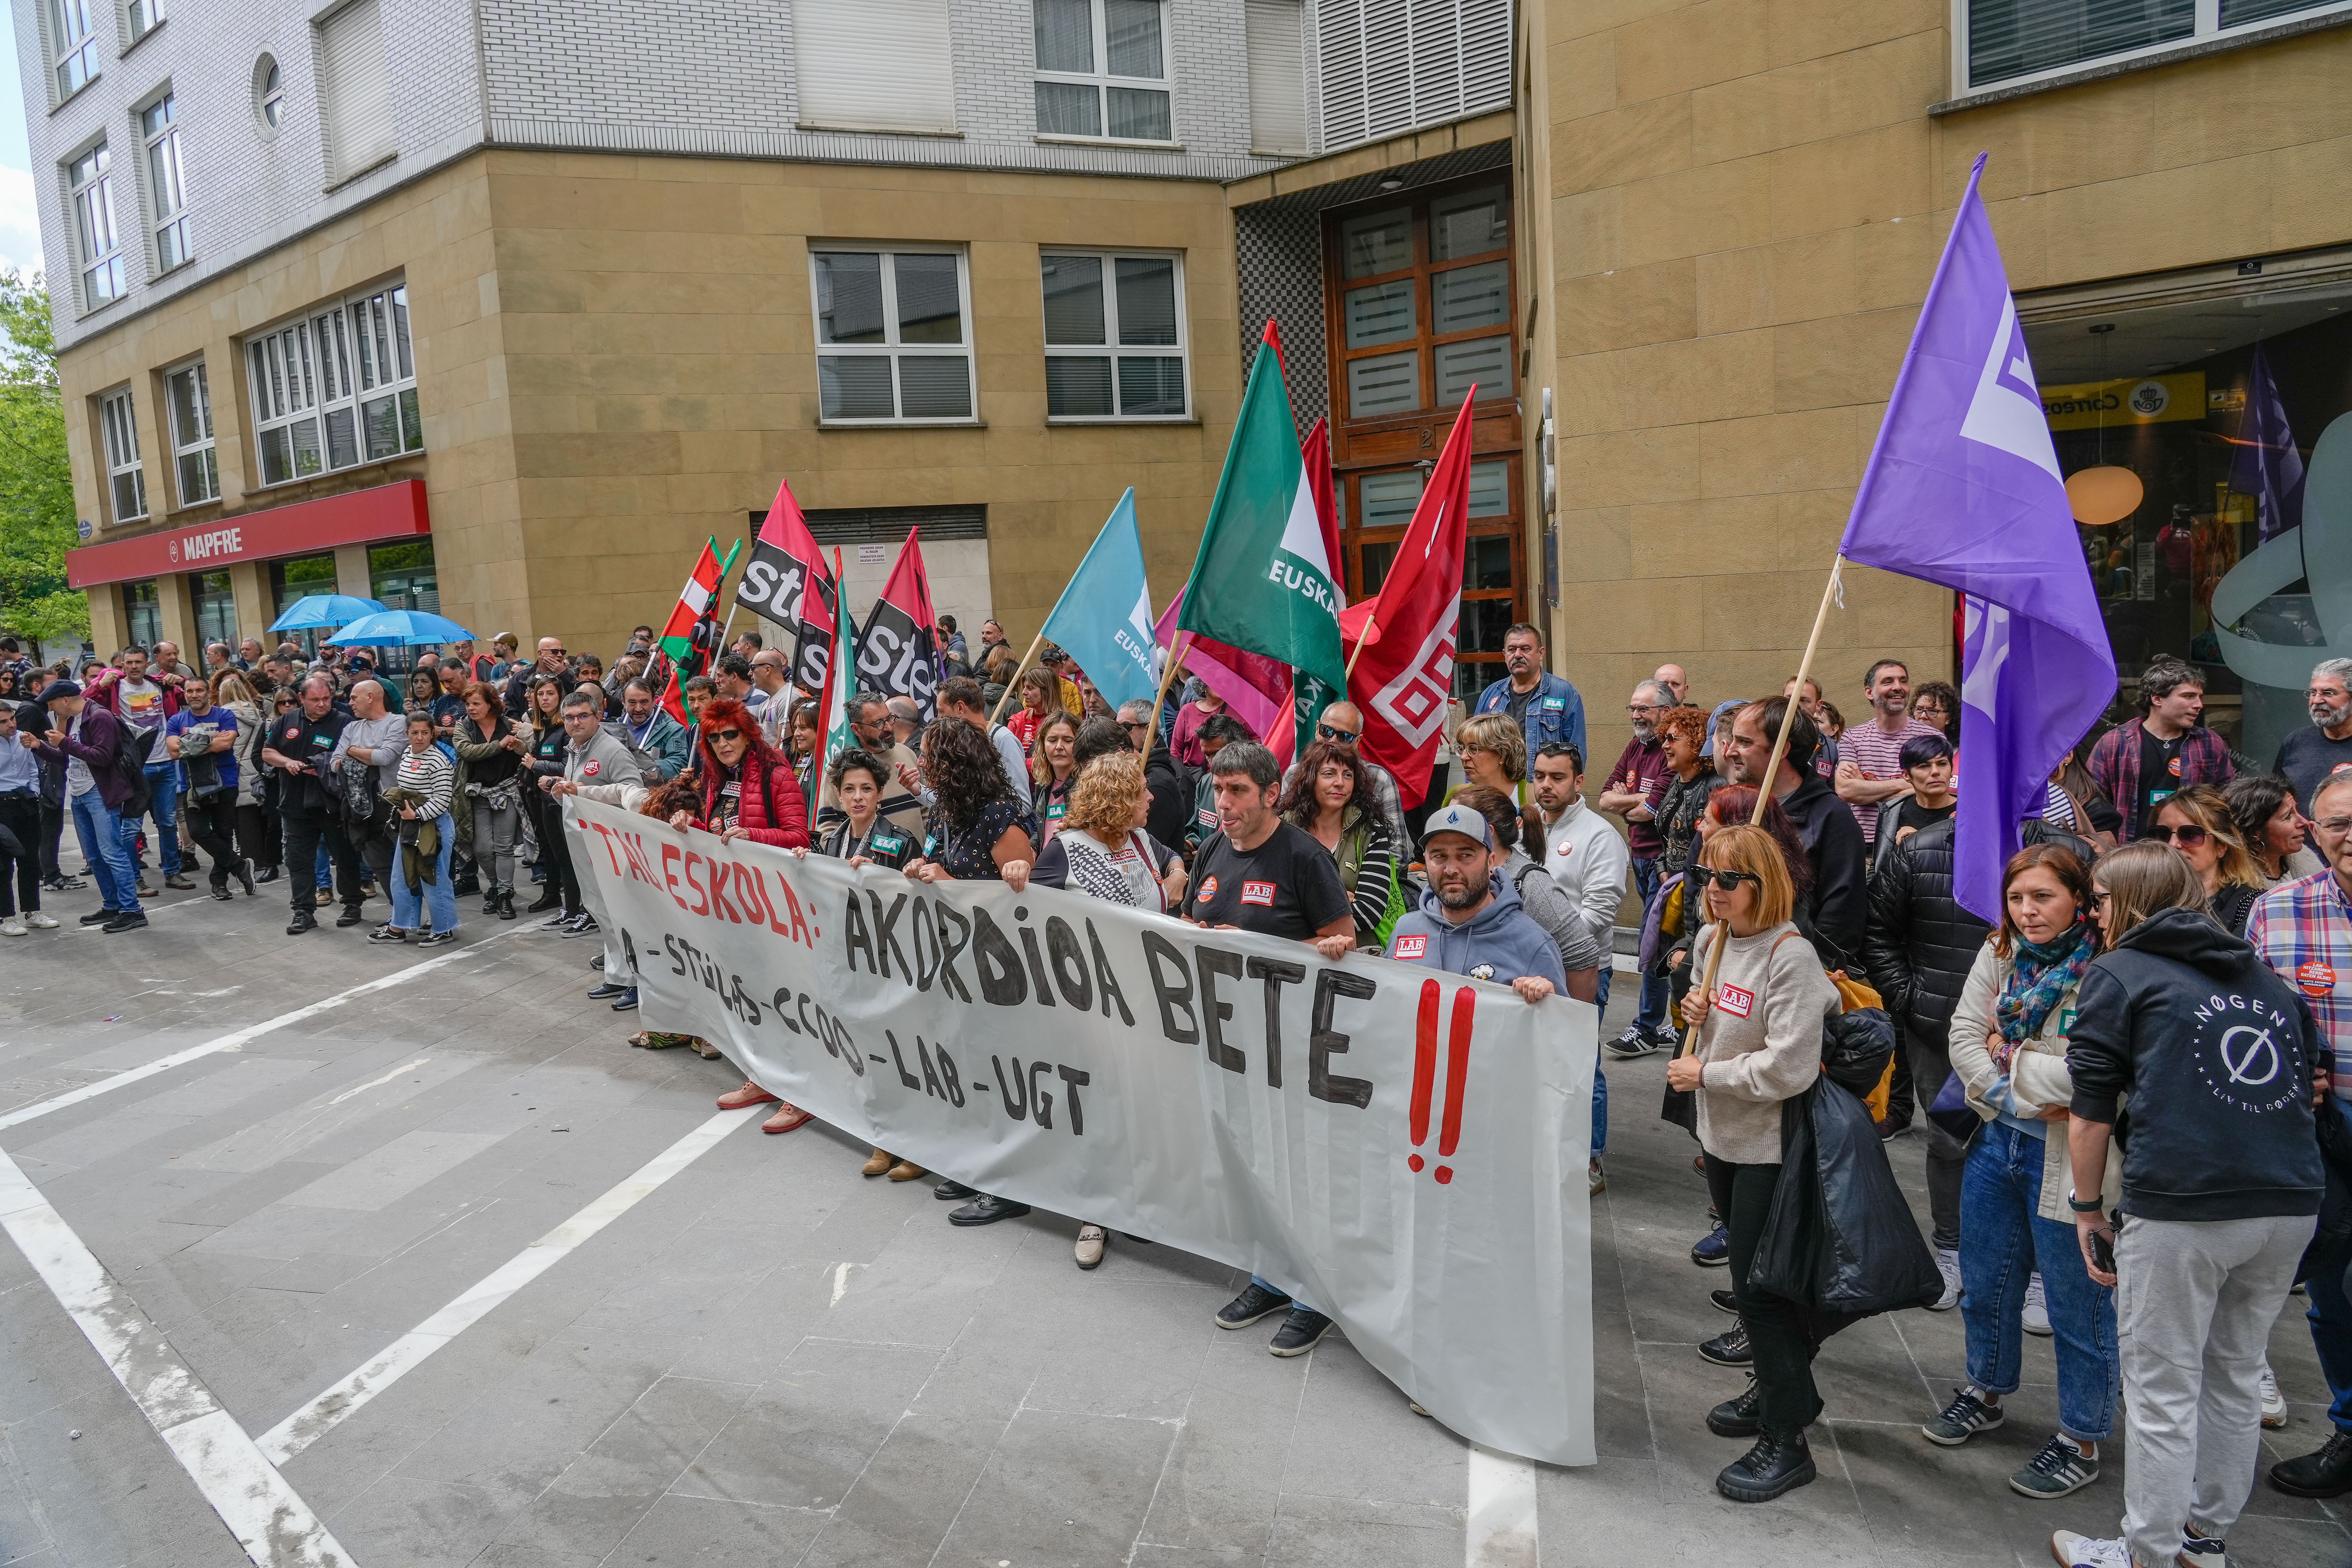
2315,979
1208,891
1412,946
1737,1001
1260,893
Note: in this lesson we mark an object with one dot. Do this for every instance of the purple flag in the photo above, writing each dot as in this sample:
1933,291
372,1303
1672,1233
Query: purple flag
1963,489
2264,463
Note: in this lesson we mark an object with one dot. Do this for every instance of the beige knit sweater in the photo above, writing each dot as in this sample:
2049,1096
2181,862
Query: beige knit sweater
1761,1043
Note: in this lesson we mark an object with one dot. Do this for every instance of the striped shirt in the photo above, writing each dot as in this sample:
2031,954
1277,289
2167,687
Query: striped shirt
1879,755
429,774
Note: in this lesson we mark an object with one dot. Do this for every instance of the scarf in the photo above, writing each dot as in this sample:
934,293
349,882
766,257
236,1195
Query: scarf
2039,975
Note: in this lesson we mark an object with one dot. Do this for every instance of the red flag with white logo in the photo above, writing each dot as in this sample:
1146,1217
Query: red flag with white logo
898,648
1405,675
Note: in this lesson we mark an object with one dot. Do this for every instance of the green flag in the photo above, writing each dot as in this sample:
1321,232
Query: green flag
1261,581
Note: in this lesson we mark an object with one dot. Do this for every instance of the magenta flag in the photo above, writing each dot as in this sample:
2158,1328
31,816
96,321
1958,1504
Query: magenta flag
1963,489
1256,688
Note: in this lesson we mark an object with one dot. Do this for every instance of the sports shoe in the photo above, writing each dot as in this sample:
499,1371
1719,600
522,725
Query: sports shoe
2274,1402
581,924
2037,1307
128,919
1948,1264
2073,1550
1740,1416
2324,1472
12,926
99,916
352,915
1723,1301
65,884
1255,1301
606,991
1597,1176
303,920
387,933
2201,1551
437,938
626,1002
1636,1041
2059,1470
1712,1250
40,921
1300,1332
1729,1347
1781,1462
1967,1414
179,883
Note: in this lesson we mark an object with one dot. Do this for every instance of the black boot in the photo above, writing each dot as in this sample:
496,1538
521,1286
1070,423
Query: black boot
1781,1462
1740,1416
2326,1473
546,901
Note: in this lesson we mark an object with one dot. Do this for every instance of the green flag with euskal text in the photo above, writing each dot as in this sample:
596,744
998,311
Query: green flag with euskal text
1260,581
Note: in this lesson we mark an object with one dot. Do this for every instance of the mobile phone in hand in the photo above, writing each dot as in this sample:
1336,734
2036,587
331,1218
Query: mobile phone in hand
2103,1252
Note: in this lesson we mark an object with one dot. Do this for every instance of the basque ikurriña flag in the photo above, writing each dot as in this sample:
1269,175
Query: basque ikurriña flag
1103,618
1963,489
898,648
786,564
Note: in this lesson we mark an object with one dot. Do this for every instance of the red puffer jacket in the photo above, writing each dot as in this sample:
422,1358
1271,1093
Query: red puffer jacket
775,814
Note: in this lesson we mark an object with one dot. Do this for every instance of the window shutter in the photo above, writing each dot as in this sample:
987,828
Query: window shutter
1486,55
1339,62
1387,67
875,65
1277,76
355,90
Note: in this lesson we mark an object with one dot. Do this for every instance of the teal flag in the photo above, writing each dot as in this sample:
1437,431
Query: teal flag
1104,618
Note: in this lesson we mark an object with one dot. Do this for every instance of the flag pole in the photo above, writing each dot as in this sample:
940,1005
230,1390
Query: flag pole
1764,786
1372,626
1015,684
1160,702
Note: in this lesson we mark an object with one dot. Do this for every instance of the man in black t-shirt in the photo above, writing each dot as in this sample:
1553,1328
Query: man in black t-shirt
1261,874
2308,757
300,745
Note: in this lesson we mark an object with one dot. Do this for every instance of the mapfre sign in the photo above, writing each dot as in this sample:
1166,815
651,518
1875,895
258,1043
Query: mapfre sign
384,512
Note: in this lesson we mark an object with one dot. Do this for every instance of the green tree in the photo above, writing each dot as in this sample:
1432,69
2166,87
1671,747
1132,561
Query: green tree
37,502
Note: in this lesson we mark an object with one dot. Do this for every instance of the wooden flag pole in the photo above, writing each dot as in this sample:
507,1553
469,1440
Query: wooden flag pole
1372,626
1160,702
1764,786
1015,684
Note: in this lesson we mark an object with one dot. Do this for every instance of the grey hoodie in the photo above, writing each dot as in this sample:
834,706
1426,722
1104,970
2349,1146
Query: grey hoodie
1500,942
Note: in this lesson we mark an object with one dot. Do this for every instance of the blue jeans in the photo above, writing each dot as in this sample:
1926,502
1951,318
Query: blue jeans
439,902
2331,1321
1654,999
163,785
1600,1079
1270,1285
99,829
2004,1240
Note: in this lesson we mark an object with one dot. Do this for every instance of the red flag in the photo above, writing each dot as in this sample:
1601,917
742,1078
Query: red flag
1272,338
1406,674
898,648
1316,453
785,563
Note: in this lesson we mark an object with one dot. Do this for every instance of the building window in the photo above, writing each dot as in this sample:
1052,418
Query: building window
354,91
142,613
268,93
126,485
214,603
1097,303
403,577
2009,42
92,180
335,389
875,65
1383,501
1102,69
298,578
1274,34
890,334
159,123
73,44
1424,304
141,17
189,396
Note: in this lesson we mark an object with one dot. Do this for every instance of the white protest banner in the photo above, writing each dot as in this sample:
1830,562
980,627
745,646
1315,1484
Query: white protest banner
1400,1148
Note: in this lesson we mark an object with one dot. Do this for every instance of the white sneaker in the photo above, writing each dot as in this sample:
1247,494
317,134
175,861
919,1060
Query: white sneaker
12,926
1948,1264
2076,1550
2037,1310
2274,1402
40,921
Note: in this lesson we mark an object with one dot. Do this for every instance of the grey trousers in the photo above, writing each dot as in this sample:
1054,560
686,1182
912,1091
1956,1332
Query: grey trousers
2194,1305
494,843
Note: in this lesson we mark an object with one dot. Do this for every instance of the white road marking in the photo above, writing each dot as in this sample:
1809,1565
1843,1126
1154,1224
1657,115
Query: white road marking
380,1082
1502,1532
239,1037
330,1409
840,1286
273,1524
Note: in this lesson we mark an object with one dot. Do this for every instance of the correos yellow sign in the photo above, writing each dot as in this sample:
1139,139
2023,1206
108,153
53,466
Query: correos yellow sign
2142,400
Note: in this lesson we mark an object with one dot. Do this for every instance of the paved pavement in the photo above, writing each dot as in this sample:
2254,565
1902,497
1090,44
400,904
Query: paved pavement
749,1354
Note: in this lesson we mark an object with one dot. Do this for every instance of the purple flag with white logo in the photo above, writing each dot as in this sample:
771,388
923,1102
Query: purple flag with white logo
1963,489
2263,462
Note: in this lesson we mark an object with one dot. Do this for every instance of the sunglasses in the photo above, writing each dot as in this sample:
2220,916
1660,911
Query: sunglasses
1135,725
719,735
1727,881
2185,837
1329,732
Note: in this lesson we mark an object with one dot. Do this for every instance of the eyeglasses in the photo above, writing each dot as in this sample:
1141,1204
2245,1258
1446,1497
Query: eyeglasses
2186,837
1135,725
1642,707
1329,733
1727,881
2335,824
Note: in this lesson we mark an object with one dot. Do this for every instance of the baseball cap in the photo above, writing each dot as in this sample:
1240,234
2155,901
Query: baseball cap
1461,819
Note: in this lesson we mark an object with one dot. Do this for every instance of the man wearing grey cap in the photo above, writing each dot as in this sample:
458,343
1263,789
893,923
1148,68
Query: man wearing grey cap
1470,921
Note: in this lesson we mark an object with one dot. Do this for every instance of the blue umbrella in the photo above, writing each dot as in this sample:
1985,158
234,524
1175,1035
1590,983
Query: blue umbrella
403,628
316,610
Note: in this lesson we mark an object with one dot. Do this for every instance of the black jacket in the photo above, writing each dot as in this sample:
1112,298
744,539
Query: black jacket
1171,795
2216,1053
1920,944
1839,896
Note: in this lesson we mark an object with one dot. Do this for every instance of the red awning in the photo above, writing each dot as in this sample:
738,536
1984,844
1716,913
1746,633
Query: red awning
395,510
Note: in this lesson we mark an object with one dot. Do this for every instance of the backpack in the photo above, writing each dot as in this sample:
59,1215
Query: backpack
133,747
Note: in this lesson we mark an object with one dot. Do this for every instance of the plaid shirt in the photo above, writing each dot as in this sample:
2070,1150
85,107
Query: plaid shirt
2114,767
2303,930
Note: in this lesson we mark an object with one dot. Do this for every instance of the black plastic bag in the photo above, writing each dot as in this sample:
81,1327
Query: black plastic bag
1854,1048
1840,1235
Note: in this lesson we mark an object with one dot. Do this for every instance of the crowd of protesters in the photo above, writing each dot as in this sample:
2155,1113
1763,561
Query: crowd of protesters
2171,938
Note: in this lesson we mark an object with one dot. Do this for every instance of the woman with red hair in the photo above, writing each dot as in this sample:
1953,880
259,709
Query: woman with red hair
749,790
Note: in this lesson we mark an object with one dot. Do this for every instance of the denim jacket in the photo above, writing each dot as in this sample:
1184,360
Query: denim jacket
1557,713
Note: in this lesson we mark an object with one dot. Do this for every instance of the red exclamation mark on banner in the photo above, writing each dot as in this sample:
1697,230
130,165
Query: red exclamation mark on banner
1457,1078
1424,1068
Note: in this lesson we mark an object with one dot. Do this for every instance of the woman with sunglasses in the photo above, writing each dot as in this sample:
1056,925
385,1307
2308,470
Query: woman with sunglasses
2270,823
2017,1237
1756,1042
544,744
1053,771
2197,822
